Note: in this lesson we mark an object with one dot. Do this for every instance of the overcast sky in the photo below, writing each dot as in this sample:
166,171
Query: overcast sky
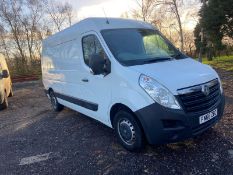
115,8
94,8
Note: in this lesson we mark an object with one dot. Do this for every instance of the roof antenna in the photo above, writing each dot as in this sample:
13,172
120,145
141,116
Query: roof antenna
107,21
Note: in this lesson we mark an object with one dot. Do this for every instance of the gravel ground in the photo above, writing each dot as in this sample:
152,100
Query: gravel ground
70,143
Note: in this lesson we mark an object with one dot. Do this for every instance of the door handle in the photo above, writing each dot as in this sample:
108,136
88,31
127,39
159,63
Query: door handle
85,80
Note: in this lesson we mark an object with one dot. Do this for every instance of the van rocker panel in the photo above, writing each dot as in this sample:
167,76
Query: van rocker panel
162,125
77,101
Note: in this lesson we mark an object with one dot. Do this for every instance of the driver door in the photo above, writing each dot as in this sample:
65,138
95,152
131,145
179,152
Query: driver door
97,88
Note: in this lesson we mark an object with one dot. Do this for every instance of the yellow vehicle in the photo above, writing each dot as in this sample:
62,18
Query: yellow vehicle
5,83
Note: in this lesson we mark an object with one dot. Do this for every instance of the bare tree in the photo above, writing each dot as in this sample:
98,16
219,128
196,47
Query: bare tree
23,25
173,7
70,14
60,14
3,44
8,12
166,16
145,9
162,14
21,33
30,22
189,45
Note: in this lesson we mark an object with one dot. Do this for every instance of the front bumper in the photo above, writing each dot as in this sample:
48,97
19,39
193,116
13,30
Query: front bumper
162,125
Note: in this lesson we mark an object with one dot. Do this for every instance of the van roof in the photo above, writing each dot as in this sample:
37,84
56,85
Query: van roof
93,24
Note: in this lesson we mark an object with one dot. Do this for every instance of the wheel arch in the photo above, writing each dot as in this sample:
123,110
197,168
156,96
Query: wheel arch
119,106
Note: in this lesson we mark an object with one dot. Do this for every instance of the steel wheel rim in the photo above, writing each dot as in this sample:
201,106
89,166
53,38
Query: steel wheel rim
126,131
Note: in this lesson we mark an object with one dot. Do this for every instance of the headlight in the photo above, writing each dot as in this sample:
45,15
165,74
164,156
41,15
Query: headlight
158,92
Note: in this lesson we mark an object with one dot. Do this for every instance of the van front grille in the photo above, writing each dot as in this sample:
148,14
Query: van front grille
200,97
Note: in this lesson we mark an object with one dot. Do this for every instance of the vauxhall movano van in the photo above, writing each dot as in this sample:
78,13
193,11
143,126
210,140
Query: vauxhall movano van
127,75
5,83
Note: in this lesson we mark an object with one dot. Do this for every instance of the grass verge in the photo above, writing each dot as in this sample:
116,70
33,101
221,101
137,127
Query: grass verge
223,62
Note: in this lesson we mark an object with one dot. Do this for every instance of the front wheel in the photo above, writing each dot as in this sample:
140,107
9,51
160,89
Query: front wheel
4,105
55,105
128,131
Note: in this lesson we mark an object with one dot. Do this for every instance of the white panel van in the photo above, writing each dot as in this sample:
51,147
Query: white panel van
127,75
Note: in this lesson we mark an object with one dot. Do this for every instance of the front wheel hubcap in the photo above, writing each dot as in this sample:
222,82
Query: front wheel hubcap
126,131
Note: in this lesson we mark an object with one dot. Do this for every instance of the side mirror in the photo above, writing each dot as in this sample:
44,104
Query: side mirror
99,65
5,74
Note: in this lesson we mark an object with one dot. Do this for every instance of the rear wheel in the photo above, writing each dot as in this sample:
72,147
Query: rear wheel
55,105
4,105
128,131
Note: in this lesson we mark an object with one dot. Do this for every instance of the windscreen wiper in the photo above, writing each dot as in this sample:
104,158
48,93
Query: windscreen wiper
158,60
177,55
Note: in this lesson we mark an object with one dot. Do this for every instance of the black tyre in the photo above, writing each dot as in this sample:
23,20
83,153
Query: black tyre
11,92
128,131
4,105
55,105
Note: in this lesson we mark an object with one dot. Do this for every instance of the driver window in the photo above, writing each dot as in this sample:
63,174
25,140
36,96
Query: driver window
91,46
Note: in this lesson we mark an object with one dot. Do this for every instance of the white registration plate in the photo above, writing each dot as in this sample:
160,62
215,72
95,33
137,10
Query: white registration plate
206,117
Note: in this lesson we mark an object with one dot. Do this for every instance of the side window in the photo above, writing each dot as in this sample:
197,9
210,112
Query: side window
91,46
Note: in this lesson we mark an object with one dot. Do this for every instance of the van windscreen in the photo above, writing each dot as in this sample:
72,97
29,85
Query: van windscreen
139,46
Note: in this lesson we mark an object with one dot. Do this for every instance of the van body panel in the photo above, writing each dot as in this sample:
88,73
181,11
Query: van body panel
177,74
75,86
127,90
92,24
180,125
